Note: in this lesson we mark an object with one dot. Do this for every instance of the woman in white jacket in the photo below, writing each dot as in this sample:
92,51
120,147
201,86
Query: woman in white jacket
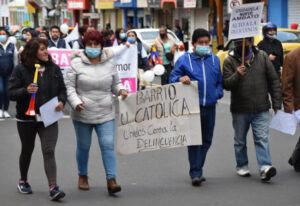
91,81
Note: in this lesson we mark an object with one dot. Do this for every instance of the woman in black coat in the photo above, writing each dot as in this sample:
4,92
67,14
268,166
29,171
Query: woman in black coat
50,84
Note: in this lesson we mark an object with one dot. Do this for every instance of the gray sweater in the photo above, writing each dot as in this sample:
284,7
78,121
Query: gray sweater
93,86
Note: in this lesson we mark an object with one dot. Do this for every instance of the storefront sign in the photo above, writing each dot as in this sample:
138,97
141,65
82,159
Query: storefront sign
125,1
104,4
142,4
245,21
190,3
159,118
78,4
233,3
154,3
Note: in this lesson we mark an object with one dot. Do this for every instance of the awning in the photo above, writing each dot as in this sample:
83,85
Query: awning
53,12
168,4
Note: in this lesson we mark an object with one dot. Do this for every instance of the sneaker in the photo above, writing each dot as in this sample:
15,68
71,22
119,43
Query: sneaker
24,187
1,113
268,173
196,181
6,114
243,172
56,193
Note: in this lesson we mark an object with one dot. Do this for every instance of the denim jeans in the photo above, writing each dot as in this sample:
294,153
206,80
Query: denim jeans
4,101
197,153
260,129
106,134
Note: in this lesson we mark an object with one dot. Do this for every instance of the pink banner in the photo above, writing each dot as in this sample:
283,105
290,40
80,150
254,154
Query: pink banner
129,84
61,57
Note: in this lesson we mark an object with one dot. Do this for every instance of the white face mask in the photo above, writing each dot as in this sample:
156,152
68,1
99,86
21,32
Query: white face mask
3,38
272,36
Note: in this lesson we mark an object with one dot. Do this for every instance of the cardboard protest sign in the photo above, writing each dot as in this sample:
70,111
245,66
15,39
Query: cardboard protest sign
157,118
126,64
245,21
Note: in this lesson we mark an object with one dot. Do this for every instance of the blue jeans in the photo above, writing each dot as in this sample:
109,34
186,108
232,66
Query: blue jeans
106,134
260,129
4,101
197,154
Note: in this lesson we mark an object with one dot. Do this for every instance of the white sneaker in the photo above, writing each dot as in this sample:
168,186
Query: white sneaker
243,172
1,114
6,114
268,173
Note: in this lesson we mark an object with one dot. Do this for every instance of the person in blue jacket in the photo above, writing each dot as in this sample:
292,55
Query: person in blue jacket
202,66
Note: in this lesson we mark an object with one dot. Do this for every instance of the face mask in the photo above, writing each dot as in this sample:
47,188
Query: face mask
42,37
24,36
248,52
123,36
272,36
131,40
3,38
92,52
202,50
162,36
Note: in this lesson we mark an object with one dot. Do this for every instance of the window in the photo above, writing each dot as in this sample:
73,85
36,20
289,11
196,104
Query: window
288,36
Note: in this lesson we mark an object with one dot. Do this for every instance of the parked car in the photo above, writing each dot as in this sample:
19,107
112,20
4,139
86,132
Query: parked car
289,38
147,36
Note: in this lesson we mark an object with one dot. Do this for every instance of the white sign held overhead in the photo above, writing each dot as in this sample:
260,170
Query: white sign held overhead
233,3
245,21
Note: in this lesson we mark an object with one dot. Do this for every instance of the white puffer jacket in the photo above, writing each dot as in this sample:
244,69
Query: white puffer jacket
93,86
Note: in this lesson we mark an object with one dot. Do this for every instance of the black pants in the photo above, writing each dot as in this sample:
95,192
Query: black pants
27,132
295,158
165,76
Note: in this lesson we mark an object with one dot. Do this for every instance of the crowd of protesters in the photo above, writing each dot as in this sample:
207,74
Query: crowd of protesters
89,92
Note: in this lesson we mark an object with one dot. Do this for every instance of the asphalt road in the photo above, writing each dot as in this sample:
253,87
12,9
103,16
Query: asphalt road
153,178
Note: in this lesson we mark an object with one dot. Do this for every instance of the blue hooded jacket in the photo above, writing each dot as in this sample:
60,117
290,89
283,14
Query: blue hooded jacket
206,71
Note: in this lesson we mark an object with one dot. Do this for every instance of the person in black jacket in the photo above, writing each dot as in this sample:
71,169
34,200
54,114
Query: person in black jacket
272,46
50,84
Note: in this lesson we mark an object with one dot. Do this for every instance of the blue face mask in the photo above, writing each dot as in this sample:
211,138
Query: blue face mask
122,35
131,40
24,36
92,52
3,38
202,50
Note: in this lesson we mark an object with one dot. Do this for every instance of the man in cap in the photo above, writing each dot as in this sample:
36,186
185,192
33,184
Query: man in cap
249,85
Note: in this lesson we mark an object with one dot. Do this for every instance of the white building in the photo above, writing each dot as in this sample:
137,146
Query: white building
4,13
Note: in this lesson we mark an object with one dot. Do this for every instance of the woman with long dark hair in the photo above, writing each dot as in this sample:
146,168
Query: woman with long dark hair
50,84
120,37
